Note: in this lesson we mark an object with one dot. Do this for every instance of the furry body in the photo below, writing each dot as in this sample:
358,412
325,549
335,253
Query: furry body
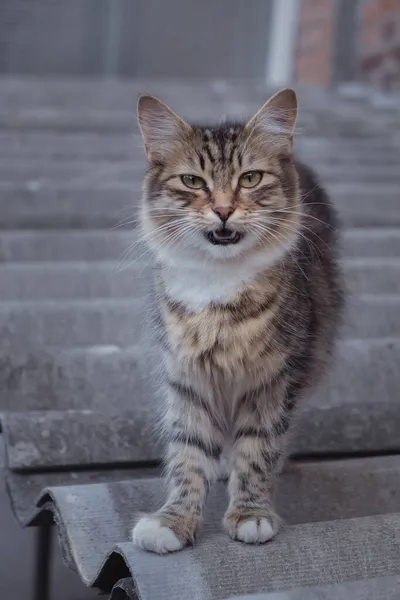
245,327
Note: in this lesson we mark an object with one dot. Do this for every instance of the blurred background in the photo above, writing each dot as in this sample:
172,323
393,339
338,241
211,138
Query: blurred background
46,46
310,42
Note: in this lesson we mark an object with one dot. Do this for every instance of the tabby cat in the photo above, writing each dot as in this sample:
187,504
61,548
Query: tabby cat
248,296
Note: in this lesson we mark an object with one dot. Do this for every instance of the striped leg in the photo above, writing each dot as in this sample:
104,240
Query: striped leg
257,453
192,464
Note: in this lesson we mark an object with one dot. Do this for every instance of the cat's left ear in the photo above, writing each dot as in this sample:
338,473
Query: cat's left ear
277,115
161,127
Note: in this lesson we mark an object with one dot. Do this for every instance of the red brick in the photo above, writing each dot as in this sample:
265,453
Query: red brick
313,61
380,34
378,51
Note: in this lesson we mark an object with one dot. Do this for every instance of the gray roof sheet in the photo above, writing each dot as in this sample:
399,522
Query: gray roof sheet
385,588
320,499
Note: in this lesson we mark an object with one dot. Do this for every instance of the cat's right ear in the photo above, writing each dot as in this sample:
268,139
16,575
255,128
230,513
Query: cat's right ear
161,127
278,115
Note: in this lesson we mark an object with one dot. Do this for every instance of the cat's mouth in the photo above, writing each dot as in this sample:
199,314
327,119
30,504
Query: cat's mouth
224,236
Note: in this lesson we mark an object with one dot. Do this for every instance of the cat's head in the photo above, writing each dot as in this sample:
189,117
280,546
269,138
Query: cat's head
220,193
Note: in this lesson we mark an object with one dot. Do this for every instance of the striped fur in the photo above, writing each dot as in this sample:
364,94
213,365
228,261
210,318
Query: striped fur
245,328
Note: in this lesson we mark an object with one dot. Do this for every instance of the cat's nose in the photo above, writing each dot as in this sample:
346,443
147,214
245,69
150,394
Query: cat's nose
224,212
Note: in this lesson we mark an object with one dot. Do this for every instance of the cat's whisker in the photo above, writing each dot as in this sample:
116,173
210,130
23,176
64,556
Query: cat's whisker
184,233
125,223
298,229
125,208
124,264
147,236
266,233
166,216
169,208
299,205
131,248
303,214
275,236
163,236
143,238
291,228
312,245
186,226
309,192
174,237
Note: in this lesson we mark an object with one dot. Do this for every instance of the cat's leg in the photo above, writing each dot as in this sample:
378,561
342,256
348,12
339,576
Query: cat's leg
192,463
260,429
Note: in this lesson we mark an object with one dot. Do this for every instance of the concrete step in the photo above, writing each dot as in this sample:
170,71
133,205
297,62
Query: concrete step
20,93
71,323
108,105
120,321
360,206
110,93
378,173
70,378
111,380
95,146
59,147
370,242
118,120
124,437
129,278
37,206
73,280
70,245
373,275
60,172
103,244
79,206
371,316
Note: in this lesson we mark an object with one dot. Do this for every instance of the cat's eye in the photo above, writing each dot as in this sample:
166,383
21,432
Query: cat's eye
250,179
193,182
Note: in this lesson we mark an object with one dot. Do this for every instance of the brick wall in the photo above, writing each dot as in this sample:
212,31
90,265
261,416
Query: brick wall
364,34
379,50
316,42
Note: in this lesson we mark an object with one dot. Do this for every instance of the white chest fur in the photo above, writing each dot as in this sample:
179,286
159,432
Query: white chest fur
198,285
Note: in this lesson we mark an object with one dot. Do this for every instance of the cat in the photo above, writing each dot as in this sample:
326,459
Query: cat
248,302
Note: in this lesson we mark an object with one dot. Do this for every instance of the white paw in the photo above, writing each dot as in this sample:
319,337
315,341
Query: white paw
256,531
150,535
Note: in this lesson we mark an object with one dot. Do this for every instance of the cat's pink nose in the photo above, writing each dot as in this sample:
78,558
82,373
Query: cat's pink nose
224,212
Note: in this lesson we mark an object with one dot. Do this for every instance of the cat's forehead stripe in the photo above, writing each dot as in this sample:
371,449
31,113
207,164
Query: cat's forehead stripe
207,150
220,144
202,162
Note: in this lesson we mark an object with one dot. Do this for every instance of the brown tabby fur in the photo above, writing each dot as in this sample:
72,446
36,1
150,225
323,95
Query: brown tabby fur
234,368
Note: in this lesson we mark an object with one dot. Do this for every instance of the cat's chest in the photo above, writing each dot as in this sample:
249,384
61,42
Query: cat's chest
197,290
210,284
212,339
209,316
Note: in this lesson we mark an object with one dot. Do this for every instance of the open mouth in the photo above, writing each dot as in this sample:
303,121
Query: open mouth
224,237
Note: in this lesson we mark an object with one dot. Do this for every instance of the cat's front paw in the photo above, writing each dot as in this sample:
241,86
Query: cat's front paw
251,529
152,535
